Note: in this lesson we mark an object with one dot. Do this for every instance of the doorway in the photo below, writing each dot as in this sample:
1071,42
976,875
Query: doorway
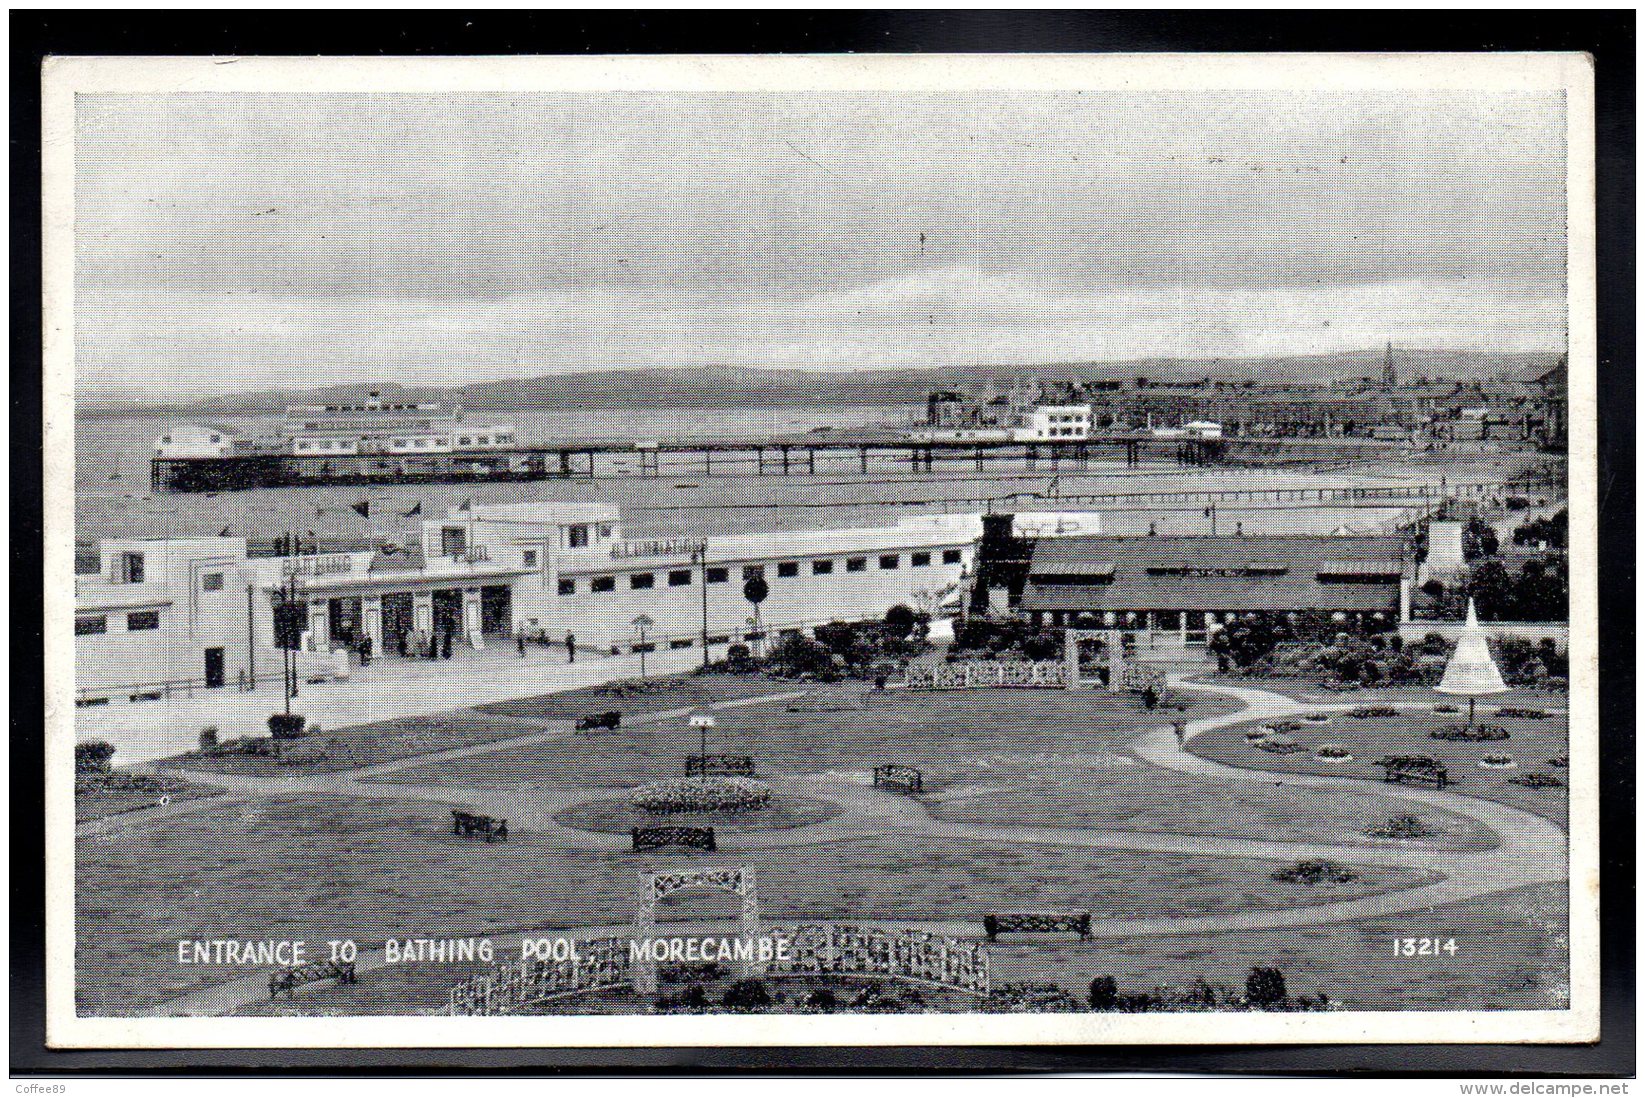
214,668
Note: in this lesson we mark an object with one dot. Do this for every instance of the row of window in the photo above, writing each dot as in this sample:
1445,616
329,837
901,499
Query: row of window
136,622
788,569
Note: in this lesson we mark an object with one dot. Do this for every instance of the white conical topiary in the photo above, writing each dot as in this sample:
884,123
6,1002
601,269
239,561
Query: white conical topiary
1471,671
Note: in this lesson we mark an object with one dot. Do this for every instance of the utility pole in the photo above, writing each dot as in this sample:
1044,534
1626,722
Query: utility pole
700,551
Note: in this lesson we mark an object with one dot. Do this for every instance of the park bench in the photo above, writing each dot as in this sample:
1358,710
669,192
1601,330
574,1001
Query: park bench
1414,768
289,980
652,838
470,823
903,778
1038,922
701,765
610,720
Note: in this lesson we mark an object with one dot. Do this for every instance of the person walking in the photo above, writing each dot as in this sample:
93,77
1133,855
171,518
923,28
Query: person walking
519,641
571,648
1180,728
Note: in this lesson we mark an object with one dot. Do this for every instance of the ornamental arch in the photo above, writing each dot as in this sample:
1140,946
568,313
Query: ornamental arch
656,887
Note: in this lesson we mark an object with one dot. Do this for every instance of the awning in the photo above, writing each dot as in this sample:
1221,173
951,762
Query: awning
1074,568
1360,568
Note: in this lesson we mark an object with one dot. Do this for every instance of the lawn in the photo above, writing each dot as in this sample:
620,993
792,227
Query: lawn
363,745
316,868
653,695
1531,743
96,804
1140,797
1513,953
953,737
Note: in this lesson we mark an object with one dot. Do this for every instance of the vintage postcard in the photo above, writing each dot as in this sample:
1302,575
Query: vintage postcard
833,550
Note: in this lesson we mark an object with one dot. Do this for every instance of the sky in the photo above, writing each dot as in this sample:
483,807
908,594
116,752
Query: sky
229,241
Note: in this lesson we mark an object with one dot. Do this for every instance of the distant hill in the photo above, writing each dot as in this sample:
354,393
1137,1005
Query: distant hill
731,386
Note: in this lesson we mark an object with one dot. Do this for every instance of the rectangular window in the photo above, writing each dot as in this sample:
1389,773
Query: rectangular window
754,636
685,643
576,536
919,560
719,575
605,529
568,587
601,584
890,561
94,623
529,558
753,572
719,639
131,568
211,581
822,567
951,556
453,541
642,581
139,620
680,577
856,564
788,569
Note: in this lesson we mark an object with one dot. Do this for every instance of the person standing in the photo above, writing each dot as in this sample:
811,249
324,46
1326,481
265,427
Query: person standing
519,641
571,648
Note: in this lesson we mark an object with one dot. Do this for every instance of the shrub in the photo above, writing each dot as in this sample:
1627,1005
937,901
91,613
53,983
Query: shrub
92,757
739,660
1400,827
690,972
1316,871
1031,998
1538,780
694,997
821,999
1333,751
705,794
1479,733
900,620
1265,987
1560,761
749,994
208,737
1104,993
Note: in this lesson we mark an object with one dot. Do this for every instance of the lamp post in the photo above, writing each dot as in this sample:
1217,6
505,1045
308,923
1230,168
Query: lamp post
699,553
641,624
702,722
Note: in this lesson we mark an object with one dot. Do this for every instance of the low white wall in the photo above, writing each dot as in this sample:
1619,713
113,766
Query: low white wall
1533,631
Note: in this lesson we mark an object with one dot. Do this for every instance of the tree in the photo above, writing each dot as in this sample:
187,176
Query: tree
1265,986
747,995
92,757
1104,993
900,620
1492,591
1478,539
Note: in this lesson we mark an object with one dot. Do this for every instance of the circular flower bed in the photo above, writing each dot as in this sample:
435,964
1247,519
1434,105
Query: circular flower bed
1400,827
1257,735
1316,871
1334,752
1317,718
1365,712
1283,726
708,794
1538,780
1479,733
1498,762
1281,745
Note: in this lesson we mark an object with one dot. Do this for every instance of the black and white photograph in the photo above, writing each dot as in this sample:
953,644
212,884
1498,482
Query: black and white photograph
758,550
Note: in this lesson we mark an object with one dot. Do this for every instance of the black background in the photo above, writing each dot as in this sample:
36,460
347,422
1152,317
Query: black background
1608,36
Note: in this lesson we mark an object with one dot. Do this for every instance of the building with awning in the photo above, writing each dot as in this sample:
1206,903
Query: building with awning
1190,585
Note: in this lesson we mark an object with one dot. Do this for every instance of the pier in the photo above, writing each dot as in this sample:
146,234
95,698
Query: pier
730,459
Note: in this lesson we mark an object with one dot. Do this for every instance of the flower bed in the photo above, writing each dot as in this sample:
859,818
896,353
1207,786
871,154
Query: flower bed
1538,780
1281,745
1446,708
1334,752
1283,726
1317,718
1560,762
1498,762
1316,871
1479,733
1257,735
1400,827
1365,712
1522,713
708,794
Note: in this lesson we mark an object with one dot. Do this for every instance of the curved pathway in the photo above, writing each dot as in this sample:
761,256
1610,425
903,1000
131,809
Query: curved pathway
1529,850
